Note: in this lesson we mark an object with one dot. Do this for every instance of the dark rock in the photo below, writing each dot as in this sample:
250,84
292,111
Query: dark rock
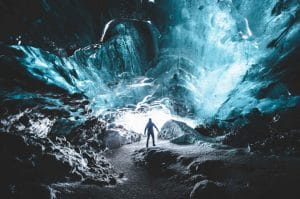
42,160
207,189
113,139
186,139
156,160
90,132
63,126
112,181
31,190
90,157
174,129
160,157
269,133
285,120
287,143
179,133
75,176
13,145
121,175
53,168
185,160
118,136
207,167
196,178
256,128
211,129
93,181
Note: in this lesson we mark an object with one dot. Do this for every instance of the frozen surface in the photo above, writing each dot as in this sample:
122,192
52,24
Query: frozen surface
211,60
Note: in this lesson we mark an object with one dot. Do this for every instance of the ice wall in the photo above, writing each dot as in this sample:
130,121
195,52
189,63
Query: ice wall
212,58
228,43
109,74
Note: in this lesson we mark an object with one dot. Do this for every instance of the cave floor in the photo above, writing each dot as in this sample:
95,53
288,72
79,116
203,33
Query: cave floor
136,183
252,173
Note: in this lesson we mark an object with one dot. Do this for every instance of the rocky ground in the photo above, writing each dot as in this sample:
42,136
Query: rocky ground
96,159
35,154
193,171
137,182
215,171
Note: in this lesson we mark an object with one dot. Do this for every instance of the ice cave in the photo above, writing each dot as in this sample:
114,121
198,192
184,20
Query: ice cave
80,79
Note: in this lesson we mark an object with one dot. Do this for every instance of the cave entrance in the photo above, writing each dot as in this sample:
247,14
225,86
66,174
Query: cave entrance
136,121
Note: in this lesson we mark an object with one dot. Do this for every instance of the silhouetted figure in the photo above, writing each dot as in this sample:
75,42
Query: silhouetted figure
149,129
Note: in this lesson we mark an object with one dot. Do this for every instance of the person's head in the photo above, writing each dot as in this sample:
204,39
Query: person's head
150,120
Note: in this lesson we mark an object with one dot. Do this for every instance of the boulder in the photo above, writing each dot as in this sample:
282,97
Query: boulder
196,178
130,137
118,136
31,190
93,181
157,160
255,128
51,167
207,167
180,133
90,133
212,129
173,129
113,139
186,139
207,189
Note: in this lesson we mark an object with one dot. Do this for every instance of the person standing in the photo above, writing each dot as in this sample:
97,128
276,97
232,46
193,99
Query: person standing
150,132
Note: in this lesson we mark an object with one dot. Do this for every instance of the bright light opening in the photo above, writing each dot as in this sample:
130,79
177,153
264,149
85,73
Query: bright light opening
136,121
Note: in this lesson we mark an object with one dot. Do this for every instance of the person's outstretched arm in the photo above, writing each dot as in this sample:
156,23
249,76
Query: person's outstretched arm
145,129
156,128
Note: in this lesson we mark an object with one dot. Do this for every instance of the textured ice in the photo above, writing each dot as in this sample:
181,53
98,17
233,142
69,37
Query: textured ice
213,59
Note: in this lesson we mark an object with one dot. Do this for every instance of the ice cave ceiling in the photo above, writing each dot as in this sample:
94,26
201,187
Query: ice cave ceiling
197,59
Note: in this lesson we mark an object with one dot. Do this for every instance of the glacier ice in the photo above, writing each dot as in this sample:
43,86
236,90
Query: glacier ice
213,59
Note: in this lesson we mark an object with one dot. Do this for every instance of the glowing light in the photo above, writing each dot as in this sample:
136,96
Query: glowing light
137,121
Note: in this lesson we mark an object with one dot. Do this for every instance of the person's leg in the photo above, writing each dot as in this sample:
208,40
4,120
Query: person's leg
152,135
148,136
